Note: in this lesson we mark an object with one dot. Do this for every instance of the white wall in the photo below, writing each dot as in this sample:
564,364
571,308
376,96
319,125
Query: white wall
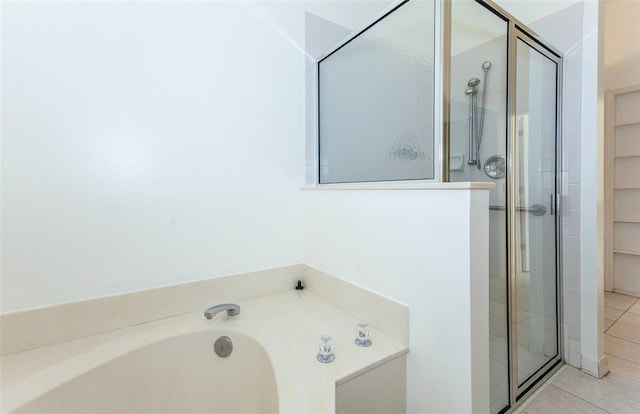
592,193
428,249
144,144
622,43
150,143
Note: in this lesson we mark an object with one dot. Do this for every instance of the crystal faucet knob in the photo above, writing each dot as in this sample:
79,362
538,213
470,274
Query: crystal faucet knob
363,334
325,349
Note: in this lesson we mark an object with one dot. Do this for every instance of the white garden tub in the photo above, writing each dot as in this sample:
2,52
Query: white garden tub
172,375
170,365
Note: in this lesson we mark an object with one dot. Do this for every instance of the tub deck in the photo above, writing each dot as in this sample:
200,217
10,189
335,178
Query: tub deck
287,324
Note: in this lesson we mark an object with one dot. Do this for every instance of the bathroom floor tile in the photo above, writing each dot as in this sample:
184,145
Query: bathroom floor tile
554,400
629,332
622,348
608,323
612,313
607,393
619,296
617,304
496,308
522,315
572,391
635,308
623,371
629,318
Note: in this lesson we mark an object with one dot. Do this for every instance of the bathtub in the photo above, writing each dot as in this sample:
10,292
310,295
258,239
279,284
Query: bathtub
170,365
177,374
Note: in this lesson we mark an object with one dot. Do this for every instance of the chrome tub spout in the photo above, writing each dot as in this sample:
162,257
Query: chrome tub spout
232,310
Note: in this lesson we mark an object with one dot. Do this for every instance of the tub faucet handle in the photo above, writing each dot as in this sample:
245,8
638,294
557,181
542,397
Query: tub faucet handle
363,334
325,349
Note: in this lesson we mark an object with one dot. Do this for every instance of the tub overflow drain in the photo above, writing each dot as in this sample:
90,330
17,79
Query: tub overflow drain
223,346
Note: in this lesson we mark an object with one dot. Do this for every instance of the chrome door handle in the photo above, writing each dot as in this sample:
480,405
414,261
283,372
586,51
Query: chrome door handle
536,209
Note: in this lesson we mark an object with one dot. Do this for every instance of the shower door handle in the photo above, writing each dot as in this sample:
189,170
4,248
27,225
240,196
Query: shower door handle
536,209
552,204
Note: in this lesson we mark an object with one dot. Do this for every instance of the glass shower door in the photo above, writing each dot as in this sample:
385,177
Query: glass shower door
534,267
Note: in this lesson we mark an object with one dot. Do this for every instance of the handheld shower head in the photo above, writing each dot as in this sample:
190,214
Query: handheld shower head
470,91
473,82
486,65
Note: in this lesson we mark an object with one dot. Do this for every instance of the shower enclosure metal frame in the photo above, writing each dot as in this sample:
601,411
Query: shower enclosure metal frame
516,30
516,33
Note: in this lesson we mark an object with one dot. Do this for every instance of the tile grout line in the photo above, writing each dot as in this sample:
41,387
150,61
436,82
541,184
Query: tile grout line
618,356
549,382
522,409
622,314
580,398
620,337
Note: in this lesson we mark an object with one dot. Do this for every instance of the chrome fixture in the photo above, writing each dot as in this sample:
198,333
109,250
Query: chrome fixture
476,126
536,209
325,349
363,334
232,310
471,93
495,166
223,346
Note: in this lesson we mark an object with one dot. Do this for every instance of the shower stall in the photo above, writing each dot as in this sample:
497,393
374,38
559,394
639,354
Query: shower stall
462,91
511,139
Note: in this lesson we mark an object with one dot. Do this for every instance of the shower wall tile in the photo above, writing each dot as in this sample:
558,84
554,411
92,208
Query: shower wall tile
573,224
572,270
572,306
574,327
574,197
565,335
575,353
572,249
564,165
574,163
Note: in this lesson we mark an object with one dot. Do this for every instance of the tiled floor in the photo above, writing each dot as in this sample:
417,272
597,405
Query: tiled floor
530,355
572,391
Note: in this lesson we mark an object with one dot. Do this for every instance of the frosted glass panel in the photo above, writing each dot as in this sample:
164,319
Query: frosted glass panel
376,97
